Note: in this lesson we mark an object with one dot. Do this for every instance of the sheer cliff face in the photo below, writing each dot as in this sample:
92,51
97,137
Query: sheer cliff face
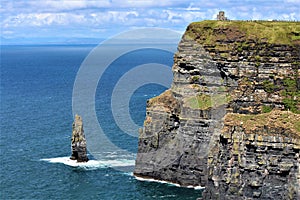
256,157
174,143
204,130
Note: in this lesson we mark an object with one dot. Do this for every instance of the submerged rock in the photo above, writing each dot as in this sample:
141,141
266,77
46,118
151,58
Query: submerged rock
78,143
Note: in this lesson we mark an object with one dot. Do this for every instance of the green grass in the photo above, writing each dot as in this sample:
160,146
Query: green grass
200,102
273,31
291,95
275,118
204,102
266,109
195,79
269,86
297,126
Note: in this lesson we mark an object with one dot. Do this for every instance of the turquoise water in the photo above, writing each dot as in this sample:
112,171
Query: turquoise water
36,121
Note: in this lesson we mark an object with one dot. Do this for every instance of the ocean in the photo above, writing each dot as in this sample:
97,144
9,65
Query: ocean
37,84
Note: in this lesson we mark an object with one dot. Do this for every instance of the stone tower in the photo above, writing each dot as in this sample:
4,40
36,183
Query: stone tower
221,16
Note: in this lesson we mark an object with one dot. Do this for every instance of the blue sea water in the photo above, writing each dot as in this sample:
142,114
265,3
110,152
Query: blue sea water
36,122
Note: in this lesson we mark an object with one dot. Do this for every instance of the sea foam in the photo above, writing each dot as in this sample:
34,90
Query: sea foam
91,164
98,164
169,183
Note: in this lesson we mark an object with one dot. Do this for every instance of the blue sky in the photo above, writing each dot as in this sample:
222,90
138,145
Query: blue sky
33,21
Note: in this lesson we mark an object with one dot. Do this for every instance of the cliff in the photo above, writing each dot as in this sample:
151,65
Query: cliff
256,157
230,121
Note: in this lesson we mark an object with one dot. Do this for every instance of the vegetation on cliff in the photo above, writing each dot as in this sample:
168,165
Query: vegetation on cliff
164,101
273,32
204,102
265,53
286,120
229,122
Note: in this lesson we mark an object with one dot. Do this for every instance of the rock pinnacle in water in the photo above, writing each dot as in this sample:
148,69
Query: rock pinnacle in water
78,143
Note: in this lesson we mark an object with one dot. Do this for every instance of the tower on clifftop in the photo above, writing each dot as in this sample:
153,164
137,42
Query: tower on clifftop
221,16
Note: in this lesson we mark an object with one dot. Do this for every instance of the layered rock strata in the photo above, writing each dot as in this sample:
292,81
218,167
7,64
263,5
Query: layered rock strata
173,145
256,157
226,75
78,141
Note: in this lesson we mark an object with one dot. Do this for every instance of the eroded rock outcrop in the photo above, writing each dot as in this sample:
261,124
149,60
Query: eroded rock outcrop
256,157
228,76
173,145
78,143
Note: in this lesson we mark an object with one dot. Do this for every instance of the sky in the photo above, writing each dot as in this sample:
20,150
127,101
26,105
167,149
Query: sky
84,21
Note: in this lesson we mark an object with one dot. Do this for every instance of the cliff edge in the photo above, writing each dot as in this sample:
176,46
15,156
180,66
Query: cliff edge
231,120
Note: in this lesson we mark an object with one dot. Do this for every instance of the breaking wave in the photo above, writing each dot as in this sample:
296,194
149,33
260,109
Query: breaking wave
92,164
168,183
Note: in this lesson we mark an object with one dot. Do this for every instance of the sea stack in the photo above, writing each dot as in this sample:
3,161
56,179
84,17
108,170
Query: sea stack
78,143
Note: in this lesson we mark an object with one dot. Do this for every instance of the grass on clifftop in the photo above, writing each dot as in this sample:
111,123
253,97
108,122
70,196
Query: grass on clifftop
165,101
275,32
276,118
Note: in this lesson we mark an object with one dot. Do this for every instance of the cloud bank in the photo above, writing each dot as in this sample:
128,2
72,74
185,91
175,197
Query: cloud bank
104,18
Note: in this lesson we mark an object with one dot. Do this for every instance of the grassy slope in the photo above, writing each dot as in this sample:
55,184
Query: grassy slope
273,31
275,119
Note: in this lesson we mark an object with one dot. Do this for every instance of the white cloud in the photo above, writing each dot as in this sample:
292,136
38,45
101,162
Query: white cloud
67,5
42,19
143,3
71,5
86,17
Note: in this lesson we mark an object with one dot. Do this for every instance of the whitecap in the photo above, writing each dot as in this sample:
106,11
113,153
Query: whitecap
91,164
